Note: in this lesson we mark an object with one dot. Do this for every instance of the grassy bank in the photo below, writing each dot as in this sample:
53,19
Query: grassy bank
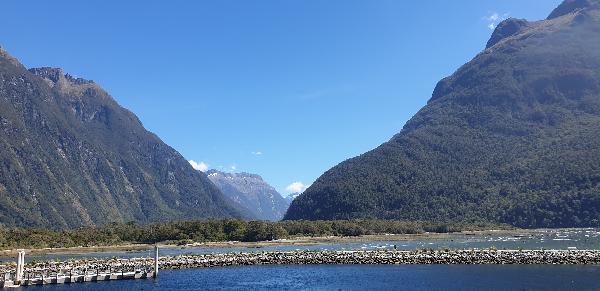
186,232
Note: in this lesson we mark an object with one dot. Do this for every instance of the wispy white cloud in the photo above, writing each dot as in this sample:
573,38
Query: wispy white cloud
296,187
494,18
257,153
230,168
202,166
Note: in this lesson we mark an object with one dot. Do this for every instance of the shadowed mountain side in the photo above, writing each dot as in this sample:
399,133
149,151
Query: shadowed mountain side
71,156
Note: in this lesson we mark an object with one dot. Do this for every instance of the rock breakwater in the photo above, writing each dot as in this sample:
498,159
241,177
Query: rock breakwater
562,257
384,257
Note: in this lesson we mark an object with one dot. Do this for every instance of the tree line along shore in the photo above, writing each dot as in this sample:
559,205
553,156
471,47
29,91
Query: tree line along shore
198,231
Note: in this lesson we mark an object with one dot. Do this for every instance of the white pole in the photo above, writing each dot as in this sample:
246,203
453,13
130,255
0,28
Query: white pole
155,261
20,263
20,266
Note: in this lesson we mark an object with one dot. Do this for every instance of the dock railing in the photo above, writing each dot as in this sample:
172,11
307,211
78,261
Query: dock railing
81,271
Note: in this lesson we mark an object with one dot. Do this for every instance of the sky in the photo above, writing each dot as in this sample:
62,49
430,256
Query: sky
285,89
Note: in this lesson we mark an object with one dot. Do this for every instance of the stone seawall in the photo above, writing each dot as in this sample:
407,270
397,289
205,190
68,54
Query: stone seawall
383,257
92,270
115,265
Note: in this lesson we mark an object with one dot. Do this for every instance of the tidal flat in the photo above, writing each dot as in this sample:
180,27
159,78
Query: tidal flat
535,239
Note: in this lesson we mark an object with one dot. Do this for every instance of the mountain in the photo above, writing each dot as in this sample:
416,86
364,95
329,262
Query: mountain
290,198
252,192
71,156
512,136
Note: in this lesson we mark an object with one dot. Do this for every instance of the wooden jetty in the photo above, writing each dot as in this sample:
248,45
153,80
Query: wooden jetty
102,272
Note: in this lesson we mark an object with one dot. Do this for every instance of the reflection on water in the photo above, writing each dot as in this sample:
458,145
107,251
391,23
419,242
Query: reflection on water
588,238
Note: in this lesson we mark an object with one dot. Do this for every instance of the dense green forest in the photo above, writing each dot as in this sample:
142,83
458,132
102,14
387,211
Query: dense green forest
513,137
185,232
71,156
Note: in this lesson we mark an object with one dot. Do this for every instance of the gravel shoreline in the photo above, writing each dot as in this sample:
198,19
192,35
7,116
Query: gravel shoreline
292,241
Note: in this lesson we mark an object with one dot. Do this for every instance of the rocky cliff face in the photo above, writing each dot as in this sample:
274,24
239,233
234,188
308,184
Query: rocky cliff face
71,156
512,136
252,192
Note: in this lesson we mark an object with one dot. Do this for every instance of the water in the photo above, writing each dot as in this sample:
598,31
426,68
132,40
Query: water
362,277
374,277
588,238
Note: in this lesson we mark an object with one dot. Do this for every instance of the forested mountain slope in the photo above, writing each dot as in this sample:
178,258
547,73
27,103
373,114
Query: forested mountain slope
71,156
513,136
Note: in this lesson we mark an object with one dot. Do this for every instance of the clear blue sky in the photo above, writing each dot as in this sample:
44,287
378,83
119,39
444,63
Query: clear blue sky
307,84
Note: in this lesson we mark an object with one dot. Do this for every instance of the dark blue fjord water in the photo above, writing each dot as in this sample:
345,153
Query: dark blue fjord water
361,277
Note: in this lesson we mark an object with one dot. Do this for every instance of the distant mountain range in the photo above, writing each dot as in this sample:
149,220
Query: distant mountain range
513,136
252,192
71,156
290,198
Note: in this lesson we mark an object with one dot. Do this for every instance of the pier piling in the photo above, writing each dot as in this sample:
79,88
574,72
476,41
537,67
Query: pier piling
155,274
20,266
